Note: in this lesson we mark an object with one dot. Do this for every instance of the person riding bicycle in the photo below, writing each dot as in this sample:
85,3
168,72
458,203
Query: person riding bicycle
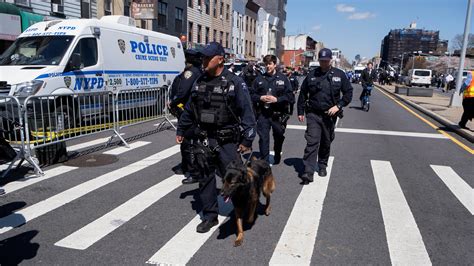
367,78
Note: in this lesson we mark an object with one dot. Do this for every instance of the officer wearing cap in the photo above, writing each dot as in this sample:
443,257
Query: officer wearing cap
272,96
221,109
321,102
179,95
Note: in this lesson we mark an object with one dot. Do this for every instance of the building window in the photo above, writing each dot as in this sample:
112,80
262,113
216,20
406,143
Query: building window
221,12
214,12
227,40
178,22
207,3
238,21
207,35
190,32
162,13
246,24
22,2
222,36
190,3
107,7
57,6
227,15
199,34
214,36
86,9
126,9
254,27
246,47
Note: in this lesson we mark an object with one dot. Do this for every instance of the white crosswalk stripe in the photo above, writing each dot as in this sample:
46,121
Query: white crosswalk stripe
25,215
404,239
182,247
89,144
93,232
463,192
296,243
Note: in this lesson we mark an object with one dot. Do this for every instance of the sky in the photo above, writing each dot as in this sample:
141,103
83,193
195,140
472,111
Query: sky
358,26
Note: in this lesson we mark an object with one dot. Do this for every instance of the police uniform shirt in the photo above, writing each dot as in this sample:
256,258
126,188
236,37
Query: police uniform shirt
280,86
182,85
318,86
242,103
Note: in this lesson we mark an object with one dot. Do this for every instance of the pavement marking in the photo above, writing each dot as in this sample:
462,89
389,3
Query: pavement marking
182,247
405,243
98,229
120,150
453,139
296,243
380,132
457,185
25,215
27,181
88,144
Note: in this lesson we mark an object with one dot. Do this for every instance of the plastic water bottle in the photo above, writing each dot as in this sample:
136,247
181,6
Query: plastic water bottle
267,105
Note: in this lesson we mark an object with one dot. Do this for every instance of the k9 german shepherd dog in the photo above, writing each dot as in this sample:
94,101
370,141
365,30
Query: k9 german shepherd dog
243,184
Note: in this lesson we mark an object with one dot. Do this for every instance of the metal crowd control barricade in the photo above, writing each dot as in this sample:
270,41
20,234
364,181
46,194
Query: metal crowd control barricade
12,130
58,118
142,105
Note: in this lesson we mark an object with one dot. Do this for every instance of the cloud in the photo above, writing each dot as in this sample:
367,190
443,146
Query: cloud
316,28
361,16
345,8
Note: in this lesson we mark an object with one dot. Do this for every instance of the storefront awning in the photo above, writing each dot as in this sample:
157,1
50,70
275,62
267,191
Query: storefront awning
28,19
7,8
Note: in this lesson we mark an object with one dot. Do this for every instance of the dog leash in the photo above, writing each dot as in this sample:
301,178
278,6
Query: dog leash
249,157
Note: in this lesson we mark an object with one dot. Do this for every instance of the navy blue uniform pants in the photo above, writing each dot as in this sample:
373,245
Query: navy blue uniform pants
264,124
319,135
222,156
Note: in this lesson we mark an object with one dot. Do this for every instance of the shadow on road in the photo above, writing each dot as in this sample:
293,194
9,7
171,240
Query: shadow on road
18,248
11,207
297,164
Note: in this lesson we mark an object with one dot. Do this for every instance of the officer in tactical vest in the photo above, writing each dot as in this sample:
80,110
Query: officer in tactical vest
180,94
293,78
249,74
221,109
272,96
320,100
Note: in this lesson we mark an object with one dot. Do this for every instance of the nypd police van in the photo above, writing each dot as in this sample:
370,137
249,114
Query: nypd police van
70,57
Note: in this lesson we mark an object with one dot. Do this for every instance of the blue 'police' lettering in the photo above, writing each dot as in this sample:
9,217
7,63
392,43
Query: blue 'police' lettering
148,49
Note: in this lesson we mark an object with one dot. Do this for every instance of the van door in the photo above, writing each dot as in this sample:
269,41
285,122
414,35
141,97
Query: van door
85,73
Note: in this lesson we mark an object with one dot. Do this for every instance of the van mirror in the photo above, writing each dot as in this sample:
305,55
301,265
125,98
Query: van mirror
75,62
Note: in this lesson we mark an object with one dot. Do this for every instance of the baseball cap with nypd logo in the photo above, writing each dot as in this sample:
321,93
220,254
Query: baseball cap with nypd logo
325,54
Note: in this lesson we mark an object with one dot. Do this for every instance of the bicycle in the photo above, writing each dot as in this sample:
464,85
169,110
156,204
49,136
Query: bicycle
365,103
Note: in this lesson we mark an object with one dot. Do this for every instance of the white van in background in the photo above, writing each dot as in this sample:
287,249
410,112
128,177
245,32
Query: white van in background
85,55
418,77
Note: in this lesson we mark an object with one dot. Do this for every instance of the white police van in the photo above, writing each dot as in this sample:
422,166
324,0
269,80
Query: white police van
70,57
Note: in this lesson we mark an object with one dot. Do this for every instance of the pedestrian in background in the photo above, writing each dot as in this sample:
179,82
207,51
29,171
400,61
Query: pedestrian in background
272,96
468,100
321,102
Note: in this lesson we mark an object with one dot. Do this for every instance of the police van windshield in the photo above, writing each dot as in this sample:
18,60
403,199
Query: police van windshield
40,50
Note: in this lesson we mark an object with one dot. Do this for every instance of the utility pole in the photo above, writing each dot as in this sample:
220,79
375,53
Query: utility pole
456,99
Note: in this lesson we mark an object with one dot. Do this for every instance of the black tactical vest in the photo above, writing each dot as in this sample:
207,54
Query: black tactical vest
214,103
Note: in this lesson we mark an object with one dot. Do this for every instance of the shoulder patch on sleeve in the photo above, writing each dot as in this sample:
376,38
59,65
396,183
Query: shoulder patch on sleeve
188,74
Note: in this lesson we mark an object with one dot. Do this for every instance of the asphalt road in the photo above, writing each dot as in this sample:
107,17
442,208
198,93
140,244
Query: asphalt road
398,192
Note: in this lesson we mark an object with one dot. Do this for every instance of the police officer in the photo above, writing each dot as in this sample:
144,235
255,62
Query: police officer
293,78
320,100
220,106
250,73
180,93
272,96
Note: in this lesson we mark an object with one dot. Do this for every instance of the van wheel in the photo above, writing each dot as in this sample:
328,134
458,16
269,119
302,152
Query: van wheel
427,86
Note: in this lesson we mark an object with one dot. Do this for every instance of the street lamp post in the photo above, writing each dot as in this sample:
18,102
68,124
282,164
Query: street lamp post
456,99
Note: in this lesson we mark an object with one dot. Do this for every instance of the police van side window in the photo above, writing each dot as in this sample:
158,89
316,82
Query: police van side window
87,49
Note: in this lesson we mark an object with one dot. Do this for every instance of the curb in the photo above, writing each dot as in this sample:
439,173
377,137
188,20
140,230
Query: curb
440,119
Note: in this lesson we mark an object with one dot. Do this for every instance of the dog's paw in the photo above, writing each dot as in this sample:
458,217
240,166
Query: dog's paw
268,210
238,241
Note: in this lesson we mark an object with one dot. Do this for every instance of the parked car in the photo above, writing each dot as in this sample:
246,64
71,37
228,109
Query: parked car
418,77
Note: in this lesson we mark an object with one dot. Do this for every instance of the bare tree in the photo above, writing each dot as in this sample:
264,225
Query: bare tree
456,43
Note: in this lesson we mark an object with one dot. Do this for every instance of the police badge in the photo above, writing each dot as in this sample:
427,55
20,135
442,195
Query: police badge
188,74
67,81
121,44
173,51
164,77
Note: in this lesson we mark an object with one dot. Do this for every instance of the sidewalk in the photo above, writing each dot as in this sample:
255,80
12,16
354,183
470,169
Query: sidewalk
437,107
